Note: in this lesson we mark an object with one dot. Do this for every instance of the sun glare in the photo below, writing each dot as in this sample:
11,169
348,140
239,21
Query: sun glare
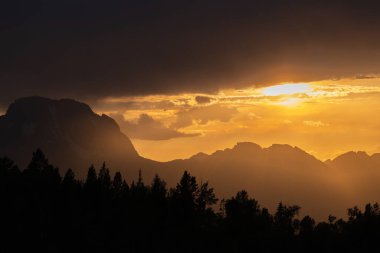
287,89
290,102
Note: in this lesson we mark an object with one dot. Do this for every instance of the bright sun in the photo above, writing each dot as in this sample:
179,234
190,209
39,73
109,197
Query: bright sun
287,89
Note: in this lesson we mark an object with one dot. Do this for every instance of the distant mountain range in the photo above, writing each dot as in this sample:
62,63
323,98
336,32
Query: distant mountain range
73,136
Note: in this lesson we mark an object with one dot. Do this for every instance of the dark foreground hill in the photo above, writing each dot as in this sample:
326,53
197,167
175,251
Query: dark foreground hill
44,212
73,136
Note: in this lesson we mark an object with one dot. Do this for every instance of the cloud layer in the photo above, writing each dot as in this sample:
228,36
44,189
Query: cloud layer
92,49
147,128
308,115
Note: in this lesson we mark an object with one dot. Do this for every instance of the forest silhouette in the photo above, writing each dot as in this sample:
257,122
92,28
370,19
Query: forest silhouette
42,210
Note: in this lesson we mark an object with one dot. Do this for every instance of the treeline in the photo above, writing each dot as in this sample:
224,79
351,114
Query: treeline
40,210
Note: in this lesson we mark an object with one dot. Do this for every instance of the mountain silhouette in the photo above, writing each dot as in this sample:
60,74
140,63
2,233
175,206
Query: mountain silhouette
354,160
73,136
69,132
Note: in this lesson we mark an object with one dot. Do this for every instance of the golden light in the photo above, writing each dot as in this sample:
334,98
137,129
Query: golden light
308,115
289,102
287,89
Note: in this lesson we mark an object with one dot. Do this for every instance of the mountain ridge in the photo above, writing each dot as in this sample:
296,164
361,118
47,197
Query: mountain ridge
22,107
73,136
62,127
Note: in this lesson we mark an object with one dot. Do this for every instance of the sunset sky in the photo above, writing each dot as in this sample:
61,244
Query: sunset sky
182,77
325,118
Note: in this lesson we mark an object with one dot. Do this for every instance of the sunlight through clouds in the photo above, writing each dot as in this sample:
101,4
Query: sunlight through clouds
286,113
287,89
313,123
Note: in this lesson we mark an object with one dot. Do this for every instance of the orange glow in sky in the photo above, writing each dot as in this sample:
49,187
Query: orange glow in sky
324,118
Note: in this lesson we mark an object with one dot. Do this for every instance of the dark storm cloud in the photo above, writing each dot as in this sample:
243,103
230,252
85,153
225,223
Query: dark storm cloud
133,105
203,99
89,49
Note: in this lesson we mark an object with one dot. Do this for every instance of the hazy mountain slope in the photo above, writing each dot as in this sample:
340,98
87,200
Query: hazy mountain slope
277,173
286,173
358,176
